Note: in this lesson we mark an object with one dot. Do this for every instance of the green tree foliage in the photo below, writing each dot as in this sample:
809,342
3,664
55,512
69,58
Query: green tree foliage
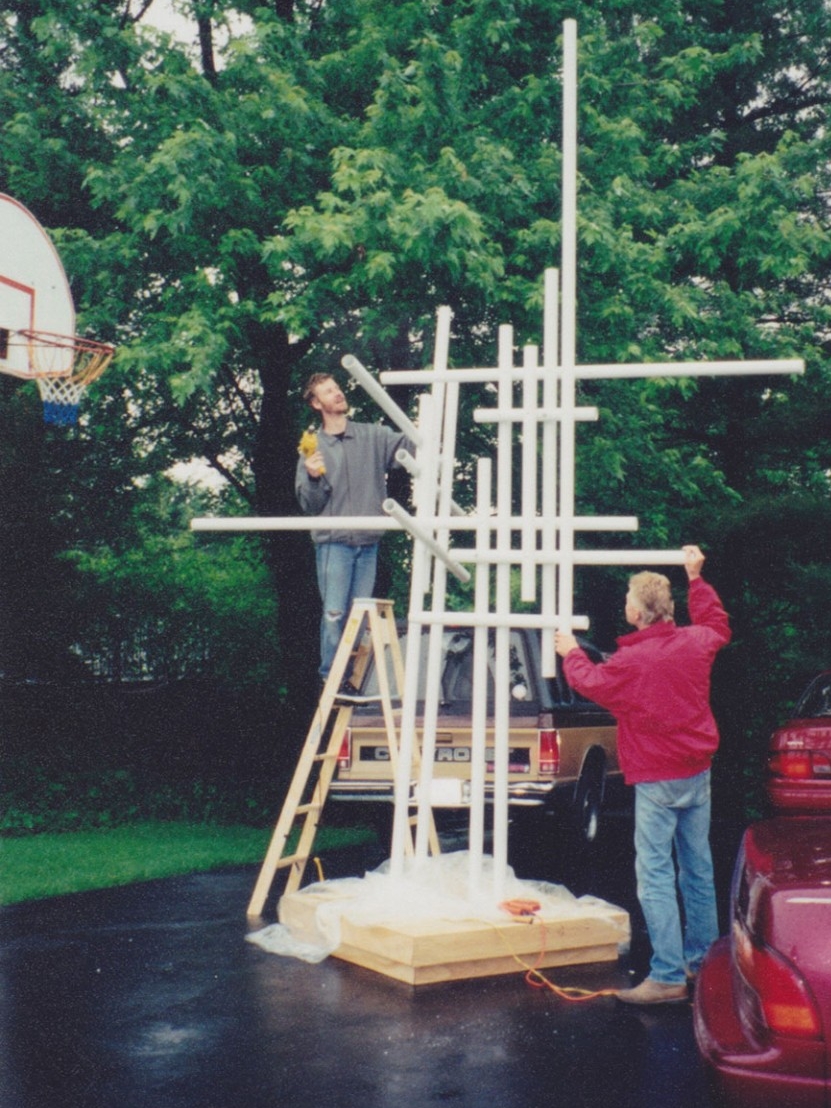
160,603
304,180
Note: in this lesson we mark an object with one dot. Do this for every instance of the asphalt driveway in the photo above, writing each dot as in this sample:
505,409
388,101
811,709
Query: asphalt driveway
149,997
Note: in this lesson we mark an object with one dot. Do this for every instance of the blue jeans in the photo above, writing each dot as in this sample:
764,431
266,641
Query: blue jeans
344,573
675,814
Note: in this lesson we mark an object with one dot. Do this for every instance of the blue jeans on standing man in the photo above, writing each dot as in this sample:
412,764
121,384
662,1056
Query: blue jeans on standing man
344,573
675,814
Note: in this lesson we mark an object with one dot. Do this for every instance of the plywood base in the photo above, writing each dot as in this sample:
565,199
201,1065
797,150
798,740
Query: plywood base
425,951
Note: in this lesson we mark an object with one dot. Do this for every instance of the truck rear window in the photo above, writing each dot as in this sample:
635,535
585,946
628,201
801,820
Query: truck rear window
456,666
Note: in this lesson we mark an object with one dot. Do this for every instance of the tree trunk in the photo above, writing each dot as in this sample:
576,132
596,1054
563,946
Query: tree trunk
289,553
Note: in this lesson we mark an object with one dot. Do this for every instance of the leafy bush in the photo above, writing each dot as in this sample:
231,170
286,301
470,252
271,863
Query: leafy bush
118,797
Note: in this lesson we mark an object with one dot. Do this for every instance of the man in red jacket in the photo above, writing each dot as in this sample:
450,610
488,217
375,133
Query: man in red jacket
657,685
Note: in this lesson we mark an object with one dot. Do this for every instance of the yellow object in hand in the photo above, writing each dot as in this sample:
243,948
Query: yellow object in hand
308,445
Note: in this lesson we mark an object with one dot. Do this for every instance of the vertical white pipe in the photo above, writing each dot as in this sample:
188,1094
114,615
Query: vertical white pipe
479,714
419,580
504,474
427,505
569,323
550,399
530,425
439,606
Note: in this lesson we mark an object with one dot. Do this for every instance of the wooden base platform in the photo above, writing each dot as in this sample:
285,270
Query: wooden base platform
426,951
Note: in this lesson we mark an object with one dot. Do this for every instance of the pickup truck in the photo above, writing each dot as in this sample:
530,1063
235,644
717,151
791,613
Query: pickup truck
562,747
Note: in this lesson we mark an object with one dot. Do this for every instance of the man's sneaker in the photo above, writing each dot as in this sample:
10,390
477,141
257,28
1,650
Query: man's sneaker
654,992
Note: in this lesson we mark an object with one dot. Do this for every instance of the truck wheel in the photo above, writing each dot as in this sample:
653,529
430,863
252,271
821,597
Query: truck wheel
588,799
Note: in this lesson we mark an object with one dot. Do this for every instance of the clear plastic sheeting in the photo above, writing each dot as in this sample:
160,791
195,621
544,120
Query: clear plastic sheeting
433,889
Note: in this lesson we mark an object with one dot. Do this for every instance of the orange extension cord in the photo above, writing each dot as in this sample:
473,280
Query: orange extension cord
526,910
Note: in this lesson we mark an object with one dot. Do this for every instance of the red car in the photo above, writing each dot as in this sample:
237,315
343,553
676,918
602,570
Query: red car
799,760
762,1010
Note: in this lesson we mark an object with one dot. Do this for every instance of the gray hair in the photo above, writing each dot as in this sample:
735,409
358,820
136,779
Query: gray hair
651,594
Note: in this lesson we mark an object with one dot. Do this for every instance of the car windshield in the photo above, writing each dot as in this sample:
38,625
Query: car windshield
816,700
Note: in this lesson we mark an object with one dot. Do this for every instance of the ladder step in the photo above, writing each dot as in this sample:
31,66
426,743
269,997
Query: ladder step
290,859
304,809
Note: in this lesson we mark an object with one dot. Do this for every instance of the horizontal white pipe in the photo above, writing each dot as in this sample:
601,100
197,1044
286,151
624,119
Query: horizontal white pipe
746,368
501,555
411,524
426,377
381,398
386,523
294,523
629,557
596,523
473,376
517,415
494,619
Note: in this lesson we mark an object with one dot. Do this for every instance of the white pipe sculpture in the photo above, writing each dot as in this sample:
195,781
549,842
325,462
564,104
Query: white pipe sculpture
546,526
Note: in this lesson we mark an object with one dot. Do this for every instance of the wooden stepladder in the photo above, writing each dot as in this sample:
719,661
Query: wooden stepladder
369,634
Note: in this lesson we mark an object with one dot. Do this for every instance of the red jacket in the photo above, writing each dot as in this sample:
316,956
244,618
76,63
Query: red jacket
657,685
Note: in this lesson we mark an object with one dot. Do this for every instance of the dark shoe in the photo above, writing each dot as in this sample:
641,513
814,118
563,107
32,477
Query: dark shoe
654,992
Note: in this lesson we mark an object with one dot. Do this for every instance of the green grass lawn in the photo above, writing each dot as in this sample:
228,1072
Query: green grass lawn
36,866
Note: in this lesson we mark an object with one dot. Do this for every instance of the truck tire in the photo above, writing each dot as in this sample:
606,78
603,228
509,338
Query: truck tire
588,797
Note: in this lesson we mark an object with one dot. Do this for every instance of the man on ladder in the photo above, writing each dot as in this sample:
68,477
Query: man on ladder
342,471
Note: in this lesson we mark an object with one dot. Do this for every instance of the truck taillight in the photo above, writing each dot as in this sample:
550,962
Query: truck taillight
345,752
784,999
548,745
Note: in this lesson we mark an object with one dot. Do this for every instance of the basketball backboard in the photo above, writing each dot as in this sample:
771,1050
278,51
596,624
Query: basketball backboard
34,290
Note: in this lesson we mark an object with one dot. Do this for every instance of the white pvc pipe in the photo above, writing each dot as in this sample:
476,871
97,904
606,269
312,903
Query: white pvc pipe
569,320
381,398
532,620
429,719
516,415
419,579
530,461
501,702
748,368
504,555
407,731
445,451
408,462
386,523
550,399
629,557
438,499
293,523
481,375
508,555
409,523
478,722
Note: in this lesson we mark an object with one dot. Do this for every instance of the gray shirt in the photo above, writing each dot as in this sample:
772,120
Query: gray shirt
355,482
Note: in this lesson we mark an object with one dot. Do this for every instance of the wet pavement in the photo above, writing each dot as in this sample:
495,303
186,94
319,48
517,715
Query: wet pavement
150,997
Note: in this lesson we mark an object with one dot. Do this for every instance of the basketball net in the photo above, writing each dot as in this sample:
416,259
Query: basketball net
63,366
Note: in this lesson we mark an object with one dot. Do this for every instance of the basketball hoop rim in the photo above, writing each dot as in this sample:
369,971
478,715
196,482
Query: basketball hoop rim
66,342
89,357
